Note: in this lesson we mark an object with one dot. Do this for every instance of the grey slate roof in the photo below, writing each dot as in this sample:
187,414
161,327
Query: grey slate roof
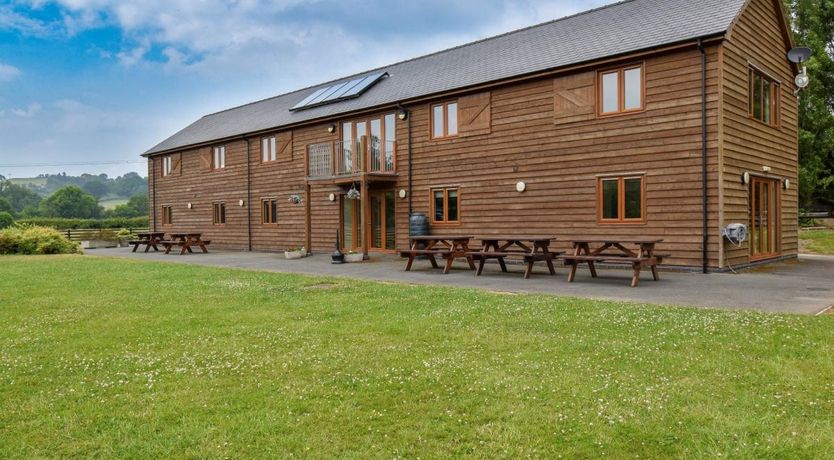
624,27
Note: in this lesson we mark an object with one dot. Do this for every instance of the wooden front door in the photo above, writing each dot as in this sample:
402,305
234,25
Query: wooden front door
351,224
383,221
766,223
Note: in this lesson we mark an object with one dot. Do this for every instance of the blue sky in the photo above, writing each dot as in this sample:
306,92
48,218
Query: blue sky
101,81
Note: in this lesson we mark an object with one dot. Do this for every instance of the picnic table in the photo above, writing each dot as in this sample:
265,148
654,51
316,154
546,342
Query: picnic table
531,249
449,247
615,250
186,241
148,239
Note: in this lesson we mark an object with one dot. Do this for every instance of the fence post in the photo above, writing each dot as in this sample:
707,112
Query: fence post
69,234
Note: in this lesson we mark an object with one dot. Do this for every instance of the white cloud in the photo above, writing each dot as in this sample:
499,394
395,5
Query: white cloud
27,112
9,72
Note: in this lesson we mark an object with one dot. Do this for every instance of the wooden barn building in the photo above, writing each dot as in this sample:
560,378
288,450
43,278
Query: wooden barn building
639,118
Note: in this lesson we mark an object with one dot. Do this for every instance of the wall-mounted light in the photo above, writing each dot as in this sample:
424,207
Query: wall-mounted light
787,184
403,193
766,169
520,187
189,205
745,178
240,203
403,114
331,128
332,197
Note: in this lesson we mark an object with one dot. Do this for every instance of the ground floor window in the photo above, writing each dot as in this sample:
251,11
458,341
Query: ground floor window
269,211
167,215
219,213
445,205
622,199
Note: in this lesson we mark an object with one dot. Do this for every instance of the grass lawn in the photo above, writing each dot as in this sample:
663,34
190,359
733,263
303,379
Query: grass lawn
111,203
817,241
118,358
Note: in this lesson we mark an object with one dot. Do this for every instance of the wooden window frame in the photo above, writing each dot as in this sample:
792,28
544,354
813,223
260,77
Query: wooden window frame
620,71
218,209
167,215
775,97
266,217
167,165
621,219
446,221
273,157
214,166
445,105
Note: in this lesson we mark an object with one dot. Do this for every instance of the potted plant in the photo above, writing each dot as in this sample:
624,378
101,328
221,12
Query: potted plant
295,253
354,256
123,236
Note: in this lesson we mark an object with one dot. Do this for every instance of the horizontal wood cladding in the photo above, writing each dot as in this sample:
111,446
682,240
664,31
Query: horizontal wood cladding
544,132
748,144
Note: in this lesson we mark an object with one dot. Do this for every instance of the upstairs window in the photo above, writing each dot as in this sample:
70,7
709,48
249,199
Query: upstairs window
167,166
167,215
218,159
268,152
269,211
621,200
445,206
444,120
764,98
219,217
620,90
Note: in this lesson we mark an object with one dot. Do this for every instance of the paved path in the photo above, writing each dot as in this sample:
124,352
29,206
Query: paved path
804,286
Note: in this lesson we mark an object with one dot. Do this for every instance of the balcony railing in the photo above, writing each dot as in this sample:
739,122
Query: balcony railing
346,158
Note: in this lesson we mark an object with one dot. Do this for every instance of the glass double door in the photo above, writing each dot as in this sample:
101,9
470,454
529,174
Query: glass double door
383,222
764,212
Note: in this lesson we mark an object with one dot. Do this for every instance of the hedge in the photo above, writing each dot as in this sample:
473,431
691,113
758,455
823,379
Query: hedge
71,224
36,240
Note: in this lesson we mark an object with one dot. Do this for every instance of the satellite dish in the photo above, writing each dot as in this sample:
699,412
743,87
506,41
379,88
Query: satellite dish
799,54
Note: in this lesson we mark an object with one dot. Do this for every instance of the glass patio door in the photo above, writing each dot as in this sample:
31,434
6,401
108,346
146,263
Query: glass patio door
351,224
383,221
764,212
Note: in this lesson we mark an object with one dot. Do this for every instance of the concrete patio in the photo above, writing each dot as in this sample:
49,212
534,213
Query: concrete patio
803,286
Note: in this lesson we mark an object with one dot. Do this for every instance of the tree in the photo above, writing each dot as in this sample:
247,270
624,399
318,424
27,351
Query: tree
813,26
20,197
136,206
96,187
71,201
6,220
5,205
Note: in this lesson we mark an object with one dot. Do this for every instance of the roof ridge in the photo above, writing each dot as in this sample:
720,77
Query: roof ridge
433,53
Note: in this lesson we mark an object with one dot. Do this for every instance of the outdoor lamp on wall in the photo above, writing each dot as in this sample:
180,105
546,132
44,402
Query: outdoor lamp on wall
403,193
787,184
240,203
520,187
189,205
331,129
745,178
332,197
403,114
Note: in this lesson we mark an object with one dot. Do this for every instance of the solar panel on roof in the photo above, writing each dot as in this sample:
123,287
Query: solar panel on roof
339,91
364,84
309,98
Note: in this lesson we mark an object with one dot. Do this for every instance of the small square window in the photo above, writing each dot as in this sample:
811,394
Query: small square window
218,159
621,200
269,211
167,215
444,120
219,217
445,205
620,90
167,166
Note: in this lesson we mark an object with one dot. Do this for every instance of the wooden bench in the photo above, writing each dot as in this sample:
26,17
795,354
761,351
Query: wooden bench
447,247
529,260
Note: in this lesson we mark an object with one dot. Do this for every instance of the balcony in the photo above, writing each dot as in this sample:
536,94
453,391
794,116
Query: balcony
346,161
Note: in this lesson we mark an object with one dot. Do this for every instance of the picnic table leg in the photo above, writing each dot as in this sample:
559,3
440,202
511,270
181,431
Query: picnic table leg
203,247
636,278
481,262
550,264
529,269
184,248
502,264
591,265
135,247
471,262
409,263
147,247
572,272
448,267
168,249
432,260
